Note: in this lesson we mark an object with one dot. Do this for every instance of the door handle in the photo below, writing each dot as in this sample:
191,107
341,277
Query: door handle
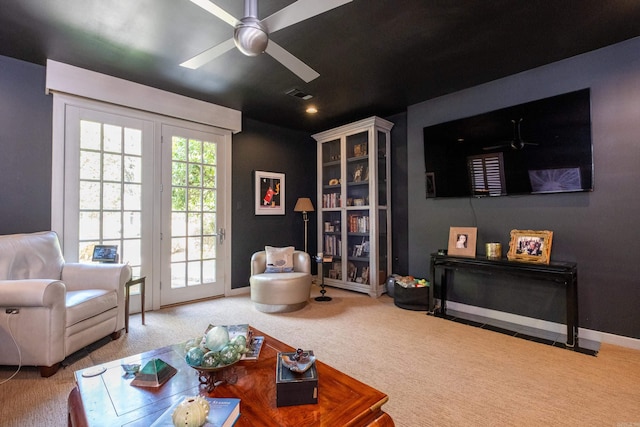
221,235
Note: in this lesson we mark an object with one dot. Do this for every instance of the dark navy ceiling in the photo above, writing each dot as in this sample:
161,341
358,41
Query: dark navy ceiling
373,56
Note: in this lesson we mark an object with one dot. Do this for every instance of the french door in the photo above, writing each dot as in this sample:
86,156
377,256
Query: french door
156,190
193,197
108,187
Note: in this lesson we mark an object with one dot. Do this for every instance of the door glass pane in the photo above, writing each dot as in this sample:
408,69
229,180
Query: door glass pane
132,138
110,190
131,225
112,141
193,218
90,162
132,197
358,169
178,249
331,175
382,168
90,135
89,195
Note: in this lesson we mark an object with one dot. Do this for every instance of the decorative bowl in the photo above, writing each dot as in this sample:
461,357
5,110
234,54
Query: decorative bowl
214,369
130,368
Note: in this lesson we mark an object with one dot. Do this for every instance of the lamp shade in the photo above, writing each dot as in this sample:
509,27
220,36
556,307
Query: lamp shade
303,205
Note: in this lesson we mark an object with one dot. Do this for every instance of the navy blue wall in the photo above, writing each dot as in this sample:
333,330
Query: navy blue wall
598,230
25,148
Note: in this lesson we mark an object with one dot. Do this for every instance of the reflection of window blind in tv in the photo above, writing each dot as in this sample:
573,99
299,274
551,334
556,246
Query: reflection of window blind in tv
487,174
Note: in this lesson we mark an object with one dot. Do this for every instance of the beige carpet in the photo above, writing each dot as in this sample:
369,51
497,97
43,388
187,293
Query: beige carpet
436,372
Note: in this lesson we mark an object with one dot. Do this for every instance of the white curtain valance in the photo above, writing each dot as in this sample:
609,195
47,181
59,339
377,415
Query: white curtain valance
72,80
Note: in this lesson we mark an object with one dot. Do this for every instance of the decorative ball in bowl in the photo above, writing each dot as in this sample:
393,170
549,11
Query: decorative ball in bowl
215,351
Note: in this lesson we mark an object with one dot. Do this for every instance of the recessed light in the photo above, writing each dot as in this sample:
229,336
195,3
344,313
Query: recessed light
312,110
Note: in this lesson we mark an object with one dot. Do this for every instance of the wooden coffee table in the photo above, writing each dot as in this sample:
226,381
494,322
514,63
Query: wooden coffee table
109,399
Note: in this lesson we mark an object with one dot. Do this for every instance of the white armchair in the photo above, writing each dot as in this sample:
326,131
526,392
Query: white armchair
61,307
280,292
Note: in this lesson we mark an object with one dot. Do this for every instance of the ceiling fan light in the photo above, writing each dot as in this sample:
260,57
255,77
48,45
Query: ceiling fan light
250,37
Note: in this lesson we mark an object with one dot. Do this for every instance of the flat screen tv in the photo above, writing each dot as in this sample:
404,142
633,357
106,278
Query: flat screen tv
538,147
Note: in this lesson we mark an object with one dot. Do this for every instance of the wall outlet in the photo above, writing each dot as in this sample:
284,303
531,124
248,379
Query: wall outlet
13,310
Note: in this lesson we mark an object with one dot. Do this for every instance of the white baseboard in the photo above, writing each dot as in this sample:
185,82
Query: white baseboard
589,334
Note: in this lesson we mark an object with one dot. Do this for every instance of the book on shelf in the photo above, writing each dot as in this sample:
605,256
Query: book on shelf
223,412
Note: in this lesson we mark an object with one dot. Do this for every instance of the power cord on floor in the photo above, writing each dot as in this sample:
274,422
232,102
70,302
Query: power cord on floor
9,315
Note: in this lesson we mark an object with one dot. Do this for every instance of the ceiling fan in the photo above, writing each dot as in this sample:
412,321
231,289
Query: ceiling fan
516,143
251,35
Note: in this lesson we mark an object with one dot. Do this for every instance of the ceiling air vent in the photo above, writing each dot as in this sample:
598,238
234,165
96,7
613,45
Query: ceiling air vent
299,94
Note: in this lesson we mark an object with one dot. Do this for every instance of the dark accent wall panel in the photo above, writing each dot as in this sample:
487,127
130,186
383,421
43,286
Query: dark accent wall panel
25,148
598,230
273,149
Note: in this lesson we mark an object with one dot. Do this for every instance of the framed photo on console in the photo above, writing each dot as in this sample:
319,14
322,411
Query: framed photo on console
530,246
462,241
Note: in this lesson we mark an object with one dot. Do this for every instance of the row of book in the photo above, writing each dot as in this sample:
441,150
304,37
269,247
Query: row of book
332,245
358,224
331,200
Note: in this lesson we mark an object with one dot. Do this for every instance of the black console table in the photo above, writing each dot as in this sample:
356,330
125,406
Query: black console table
562,273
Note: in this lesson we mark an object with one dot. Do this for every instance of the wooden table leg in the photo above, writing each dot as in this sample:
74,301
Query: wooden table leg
127,300
139,281
142,298
75,410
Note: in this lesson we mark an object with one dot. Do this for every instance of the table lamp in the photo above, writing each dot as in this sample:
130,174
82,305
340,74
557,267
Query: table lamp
304,205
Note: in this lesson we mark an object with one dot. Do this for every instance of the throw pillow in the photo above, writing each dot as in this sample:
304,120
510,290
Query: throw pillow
279,260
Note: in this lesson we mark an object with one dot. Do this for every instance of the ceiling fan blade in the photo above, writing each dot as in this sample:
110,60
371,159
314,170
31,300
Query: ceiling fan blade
299,11
296,66
208,55
494,147
216,11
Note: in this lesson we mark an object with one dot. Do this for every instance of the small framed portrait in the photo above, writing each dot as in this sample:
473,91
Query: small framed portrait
530,246
462,241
